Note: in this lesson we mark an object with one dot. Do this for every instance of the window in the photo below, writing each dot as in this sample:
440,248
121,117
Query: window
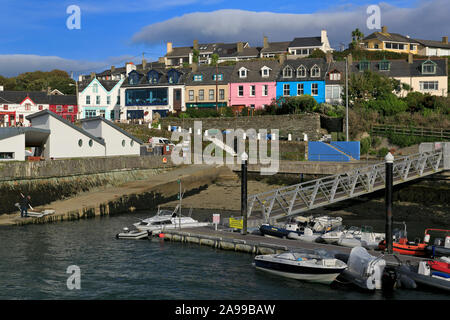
146,97
59,108
315,72
332,93
364,65
286,89
314,89
388,45
412,47
112,115
401,46
80,143
118,99
27,106
41,107
173,76
287,72
300,89
385,65
123,143
134,78
243,73
375,45
6,155
90,113
90,142
102,113
198,77
221,94
201,94
241,91
97,100
108,100
252,91
191,95
265,90
301,72
265,72
428,67
219,77
429,85
305,52
335,76
131,143
95,88
211,94
153,77
5,107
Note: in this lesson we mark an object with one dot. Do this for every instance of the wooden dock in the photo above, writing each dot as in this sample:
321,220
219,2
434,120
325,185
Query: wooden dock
256,244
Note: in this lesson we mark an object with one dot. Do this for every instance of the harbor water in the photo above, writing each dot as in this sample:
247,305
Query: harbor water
34,260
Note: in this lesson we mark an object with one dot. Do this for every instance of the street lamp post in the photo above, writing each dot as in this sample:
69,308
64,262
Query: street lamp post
388,199
244,158
346,99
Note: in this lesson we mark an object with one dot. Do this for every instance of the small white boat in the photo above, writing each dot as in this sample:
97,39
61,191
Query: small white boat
306,266
333,236
325,223
360,237
168,220
307,236
132,234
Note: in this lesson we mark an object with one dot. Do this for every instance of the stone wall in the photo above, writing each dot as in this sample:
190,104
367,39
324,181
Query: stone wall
295,124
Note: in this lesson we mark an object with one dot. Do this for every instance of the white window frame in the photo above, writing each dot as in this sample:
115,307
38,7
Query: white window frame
286,87
265,90
302,67
191,95
240,88
314,87
242,72
313,69
252,90
300,88
285,74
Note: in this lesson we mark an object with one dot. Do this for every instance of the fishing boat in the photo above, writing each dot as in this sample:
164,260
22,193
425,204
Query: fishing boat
401,244
440,247
167,220
305,265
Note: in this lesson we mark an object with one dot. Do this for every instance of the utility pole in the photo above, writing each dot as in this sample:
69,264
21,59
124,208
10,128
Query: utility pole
217,76
388,200
244,158
346,99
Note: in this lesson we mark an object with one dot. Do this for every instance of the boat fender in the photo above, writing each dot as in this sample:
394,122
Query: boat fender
441,274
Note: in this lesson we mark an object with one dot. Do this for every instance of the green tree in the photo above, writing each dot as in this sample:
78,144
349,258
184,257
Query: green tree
357,37
214,59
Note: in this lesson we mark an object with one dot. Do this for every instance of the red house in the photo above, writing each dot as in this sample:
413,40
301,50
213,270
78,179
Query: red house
64,106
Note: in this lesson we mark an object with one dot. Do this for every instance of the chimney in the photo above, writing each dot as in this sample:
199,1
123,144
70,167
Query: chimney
323,36
240,47
282,58
113,69
195,44
161,60
445,40
194,66
129,66
144,64
384,29
329,57
266,42
410,58
169,47
92,75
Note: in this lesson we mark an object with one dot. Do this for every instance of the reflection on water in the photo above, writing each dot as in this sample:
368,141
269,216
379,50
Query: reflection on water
34,260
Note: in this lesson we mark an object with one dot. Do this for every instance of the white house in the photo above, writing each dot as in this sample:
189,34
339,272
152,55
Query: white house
99,98
434,48
118,142
302,47
15,106
66,140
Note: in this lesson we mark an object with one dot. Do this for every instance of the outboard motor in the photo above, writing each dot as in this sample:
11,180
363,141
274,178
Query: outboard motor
388,279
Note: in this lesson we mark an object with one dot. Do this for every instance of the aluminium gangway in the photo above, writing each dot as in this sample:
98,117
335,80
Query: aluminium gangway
293,200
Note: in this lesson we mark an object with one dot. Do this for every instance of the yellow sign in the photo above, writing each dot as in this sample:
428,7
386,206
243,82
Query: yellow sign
236,223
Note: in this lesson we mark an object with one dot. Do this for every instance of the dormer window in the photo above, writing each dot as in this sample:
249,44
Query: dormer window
334,75
219,77
301,72
265,72
287,72
173,76
428,67
198,77
134,77
384,65
315,72
153,77
243,72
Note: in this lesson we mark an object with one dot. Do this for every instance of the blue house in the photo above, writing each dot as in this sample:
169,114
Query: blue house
303,77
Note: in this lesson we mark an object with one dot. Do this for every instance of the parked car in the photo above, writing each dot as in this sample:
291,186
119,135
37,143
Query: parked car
159,141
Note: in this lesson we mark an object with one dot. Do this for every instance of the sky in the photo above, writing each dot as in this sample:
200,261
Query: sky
34,34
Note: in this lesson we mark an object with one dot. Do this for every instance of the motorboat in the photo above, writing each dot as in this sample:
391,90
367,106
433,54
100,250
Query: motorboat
401,244
306,265
167,220
333,236
360,237
440,247
308,235
134,234
364,270
434,274
325,223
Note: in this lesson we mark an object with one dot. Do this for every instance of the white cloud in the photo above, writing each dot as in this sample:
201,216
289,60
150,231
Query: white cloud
428,20
14,64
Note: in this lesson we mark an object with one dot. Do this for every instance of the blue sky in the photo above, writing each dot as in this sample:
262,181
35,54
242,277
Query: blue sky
34,35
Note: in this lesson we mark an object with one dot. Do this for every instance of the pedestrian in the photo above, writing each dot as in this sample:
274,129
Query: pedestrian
24,204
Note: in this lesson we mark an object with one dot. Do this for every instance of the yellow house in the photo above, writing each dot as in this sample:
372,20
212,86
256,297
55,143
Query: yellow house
390,42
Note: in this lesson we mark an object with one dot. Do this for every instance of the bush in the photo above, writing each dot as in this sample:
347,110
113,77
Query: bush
382,152
389,105
298,104
365,143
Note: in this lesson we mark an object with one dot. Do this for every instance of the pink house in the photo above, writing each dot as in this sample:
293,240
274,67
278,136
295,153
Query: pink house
253,84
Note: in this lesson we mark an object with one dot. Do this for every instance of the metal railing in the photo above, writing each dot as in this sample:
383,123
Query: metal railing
439,133
295,199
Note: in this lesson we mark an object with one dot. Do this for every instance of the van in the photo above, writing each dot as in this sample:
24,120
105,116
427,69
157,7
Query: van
159,141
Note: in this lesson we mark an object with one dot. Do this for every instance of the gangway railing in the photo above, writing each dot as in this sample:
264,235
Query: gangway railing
292,200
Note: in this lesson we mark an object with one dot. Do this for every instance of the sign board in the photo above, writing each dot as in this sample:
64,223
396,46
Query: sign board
216,218
236,223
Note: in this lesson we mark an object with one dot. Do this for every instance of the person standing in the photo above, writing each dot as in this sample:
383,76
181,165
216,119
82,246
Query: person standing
24,204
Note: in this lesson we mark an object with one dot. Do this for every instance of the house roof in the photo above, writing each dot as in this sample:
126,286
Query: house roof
308,63
433,44
306,42
107,84
68,123
389,37
276,47
163,81
254,71
39,97
98,118
63,100
207,73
